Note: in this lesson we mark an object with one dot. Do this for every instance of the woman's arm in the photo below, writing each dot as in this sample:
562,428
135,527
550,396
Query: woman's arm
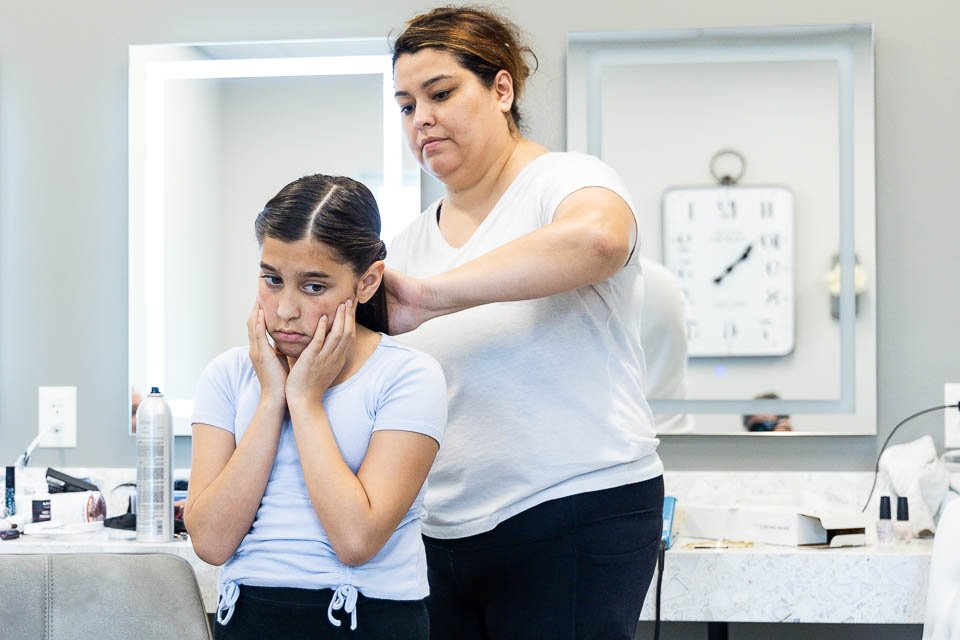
227,480
591,238
359,512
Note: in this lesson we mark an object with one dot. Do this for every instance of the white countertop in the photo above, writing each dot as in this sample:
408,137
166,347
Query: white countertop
765,583
768,583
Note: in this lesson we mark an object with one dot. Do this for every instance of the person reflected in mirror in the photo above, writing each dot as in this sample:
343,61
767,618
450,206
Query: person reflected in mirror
759,422
544,508
134,405
663,336
311,445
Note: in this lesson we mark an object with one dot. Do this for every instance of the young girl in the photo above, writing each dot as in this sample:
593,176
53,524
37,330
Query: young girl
311,446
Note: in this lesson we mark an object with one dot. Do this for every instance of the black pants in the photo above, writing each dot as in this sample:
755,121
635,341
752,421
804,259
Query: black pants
576,568
279,612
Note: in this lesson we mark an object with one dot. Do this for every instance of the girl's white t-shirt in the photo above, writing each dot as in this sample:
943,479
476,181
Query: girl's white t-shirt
545,396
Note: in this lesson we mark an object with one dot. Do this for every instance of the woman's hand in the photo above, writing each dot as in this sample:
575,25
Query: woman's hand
323,359
410,301
270,366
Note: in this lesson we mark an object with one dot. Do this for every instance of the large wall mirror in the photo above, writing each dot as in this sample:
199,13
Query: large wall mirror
215,131
750,157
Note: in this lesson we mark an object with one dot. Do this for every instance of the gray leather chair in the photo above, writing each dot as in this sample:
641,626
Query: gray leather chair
100,595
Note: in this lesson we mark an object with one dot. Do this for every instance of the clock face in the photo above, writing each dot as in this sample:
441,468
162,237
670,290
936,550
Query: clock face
732,249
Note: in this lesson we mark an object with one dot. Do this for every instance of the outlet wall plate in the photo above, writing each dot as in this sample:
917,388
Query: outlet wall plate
57,408
951,417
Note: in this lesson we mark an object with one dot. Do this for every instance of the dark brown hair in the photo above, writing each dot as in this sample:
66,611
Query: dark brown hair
340,213
481,41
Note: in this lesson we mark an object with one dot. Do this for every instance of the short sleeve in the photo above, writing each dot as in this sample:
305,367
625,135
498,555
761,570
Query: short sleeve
575,171
215,400
415,399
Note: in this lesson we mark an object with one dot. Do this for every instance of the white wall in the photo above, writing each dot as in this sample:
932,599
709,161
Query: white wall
274,131
193,276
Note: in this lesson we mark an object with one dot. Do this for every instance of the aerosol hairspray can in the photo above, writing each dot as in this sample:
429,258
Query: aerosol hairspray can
154,469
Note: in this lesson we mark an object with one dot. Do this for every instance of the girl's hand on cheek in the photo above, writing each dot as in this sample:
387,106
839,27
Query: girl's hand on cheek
270,366
323,359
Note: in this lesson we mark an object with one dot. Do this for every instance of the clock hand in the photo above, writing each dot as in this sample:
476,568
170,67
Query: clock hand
726,272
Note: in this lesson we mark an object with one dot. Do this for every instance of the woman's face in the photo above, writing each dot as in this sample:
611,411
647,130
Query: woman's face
453,124
300,282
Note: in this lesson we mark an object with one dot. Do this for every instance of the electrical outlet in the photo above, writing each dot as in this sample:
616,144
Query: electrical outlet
57,409
951,417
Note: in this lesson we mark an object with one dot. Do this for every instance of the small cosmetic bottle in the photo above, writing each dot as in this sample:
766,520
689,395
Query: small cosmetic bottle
901,528
885,524
10,498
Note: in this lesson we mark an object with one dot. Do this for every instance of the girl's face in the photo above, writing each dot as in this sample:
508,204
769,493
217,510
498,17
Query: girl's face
300,282
452,123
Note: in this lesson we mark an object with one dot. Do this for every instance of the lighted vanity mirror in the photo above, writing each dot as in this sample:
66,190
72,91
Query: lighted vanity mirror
215,131
749,153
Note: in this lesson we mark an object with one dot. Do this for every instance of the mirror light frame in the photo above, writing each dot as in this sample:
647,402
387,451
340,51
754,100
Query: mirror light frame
150,70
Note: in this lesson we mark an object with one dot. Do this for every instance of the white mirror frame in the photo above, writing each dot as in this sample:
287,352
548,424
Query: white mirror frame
589,52
151,67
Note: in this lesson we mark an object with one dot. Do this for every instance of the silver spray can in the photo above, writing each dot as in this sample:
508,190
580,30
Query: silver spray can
154,469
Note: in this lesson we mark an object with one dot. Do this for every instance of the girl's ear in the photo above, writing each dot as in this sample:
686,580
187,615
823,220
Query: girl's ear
370,281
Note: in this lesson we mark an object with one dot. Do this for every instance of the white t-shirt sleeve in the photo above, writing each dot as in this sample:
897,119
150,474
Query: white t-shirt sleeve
414,400
215,401
574,171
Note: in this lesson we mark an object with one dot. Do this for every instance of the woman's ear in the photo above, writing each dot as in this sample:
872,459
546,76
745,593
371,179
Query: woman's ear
503,86
370,281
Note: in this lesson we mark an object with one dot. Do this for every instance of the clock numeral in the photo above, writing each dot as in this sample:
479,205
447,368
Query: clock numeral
766,209
727,208
683,239
692,331
773,297
730,330
766,334
684,272
773,267
690,211
770,240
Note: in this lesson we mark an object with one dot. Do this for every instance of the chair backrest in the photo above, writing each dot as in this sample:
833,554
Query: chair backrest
100,595
942,620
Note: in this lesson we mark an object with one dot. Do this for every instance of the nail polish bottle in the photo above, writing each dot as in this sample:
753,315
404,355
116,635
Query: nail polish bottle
885,536
901,528
10,498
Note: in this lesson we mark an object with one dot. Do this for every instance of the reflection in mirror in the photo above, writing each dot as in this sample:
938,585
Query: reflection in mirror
215,131
749,155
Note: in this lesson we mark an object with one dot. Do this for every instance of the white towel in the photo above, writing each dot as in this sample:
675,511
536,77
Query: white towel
942,619
914,470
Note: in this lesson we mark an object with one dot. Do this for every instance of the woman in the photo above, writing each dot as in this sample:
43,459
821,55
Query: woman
544,508
310,451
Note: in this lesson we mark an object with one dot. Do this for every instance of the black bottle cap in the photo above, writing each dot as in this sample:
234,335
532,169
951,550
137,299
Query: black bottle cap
11,478
903,510
884,507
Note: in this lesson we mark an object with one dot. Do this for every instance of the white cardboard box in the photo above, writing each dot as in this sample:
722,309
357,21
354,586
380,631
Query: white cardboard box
773,525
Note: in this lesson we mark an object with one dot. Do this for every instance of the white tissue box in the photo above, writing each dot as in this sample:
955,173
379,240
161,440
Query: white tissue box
773,525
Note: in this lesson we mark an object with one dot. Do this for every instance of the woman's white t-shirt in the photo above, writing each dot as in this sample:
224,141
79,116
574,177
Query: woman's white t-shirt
545,396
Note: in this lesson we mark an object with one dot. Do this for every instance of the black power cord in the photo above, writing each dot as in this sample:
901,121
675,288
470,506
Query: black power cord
876,469
663,554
